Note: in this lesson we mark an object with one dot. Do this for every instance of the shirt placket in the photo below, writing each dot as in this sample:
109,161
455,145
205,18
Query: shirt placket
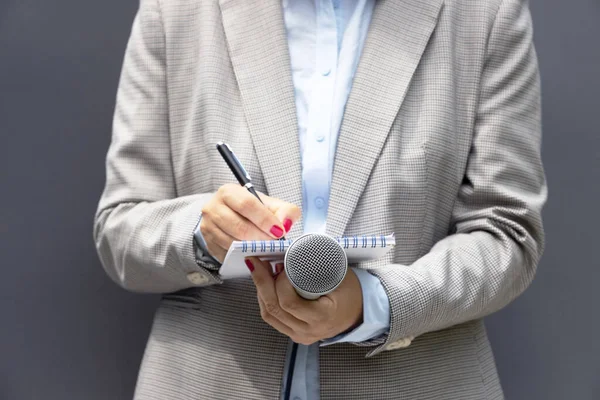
316,164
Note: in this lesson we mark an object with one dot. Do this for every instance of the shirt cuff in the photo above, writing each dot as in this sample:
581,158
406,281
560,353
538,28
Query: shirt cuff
376,311
202,253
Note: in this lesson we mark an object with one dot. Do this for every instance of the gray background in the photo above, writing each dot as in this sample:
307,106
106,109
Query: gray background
67,332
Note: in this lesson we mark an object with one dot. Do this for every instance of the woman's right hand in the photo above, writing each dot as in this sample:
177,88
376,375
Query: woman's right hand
233,213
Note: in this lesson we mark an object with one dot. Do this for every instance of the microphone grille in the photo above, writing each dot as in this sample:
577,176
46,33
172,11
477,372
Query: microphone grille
315,263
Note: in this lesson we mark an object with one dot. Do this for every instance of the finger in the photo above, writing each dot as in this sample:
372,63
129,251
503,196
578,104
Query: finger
305,310
287,213
286,330
217,241
274,322
236,225
278,268
244,203
265,288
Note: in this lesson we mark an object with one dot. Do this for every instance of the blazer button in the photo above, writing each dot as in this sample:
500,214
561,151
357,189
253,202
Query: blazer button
197,278
400,343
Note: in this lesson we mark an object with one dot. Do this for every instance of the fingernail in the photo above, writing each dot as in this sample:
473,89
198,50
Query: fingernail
249,265
287,224
276,231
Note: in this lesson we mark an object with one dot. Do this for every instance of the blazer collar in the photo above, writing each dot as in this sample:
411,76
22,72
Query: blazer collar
258,48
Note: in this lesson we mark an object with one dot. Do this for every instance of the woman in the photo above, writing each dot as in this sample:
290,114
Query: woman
419,117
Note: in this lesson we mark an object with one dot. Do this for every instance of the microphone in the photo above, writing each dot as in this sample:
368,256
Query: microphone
315,264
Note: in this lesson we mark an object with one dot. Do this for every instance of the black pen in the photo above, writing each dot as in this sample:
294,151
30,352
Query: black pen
238,169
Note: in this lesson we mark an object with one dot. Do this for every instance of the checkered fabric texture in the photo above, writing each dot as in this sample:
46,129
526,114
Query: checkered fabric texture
440,143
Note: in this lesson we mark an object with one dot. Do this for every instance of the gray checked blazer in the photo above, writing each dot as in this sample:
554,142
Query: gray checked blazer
440,143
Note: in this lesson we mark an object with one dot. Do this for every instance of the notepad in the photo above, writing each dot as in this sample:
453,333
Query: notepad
357,249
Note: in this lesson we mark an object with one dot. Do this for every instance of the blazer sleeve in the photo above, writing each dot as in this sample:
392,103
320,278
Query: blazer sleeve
144,232
498,236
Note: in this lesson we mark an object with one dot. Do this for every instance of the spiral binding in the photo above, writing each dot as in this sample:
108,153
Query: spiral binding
346,242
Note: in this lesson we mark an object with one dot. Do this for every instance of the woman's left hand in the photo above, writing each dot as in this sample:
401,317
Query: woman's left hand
306,321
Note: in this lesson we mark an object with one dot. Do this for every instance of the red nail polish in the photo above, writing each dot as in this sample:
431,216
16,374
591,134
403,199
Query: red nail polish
249,265
287,224
276,231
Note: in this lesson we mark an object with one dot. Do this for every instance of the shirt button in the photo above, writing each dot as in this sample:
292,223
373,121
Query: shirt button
326,71
320,138
319,202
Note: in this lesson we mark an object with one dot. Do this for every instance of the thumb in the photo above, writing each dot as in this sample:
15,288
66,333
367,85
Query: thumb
287,213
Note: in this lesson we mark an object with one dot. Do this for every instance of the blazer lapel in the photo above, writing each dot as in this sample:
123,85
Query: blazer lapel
258,48
398,35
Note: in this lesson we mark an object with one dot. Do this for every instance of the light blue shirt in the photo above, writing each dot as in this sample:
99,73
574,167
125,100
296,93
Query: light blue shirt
325,39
